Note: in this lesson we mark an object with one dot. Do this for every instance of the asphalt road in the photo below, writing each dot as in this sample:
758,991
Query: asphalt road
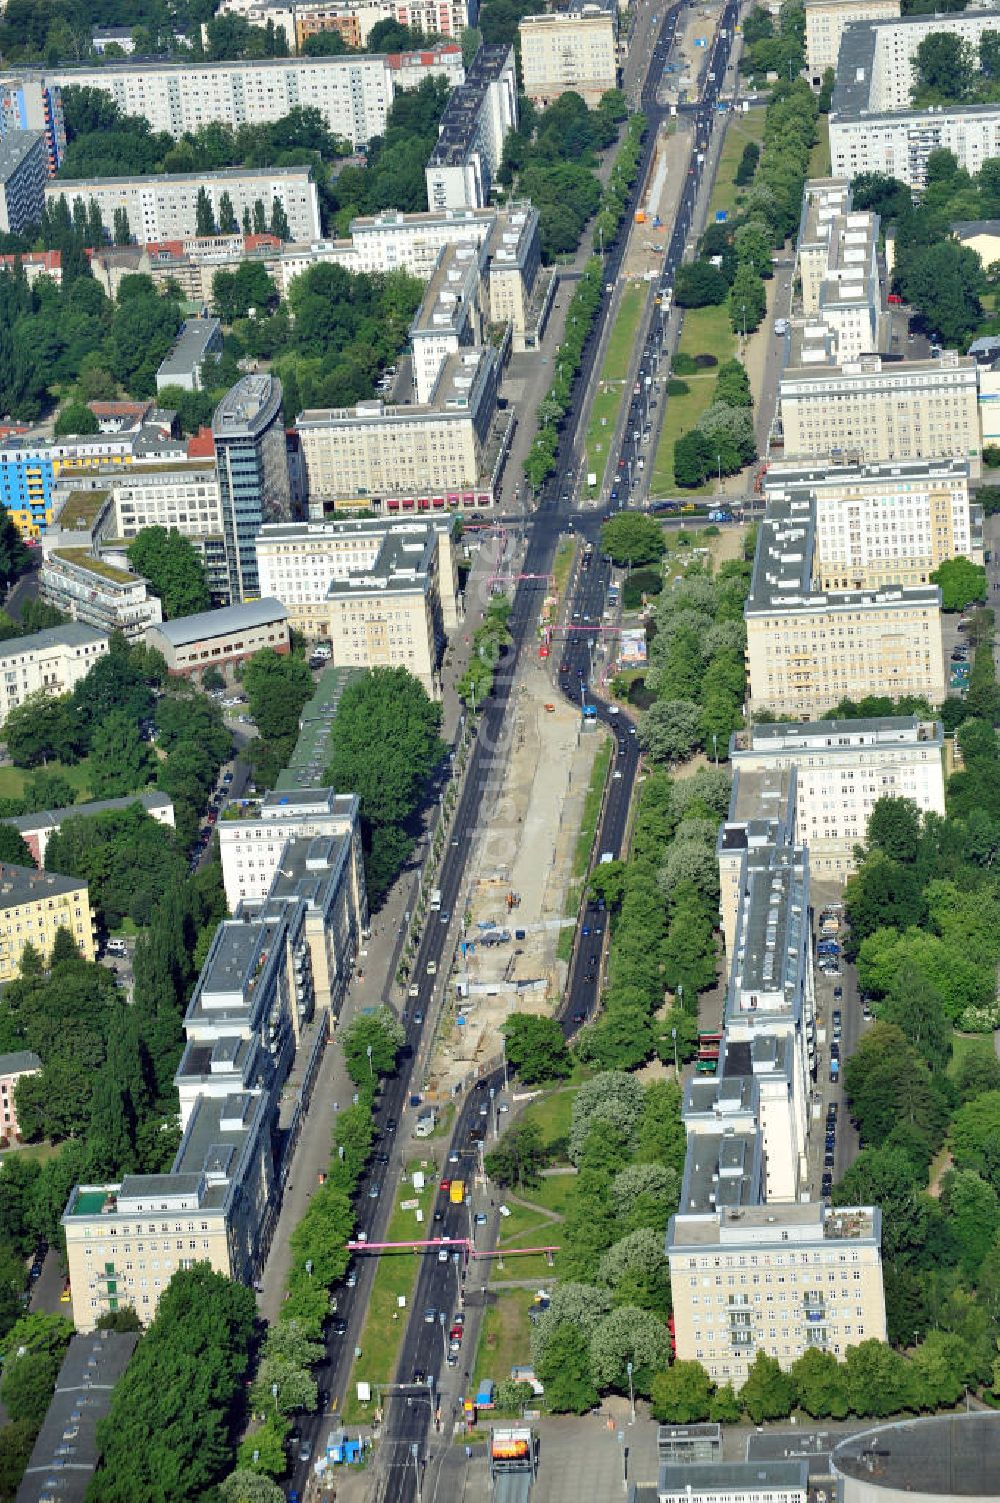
407,1425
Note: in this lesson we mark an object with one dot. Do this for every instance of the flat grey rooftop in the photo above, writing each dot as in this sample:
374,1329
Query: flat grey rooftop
222,622
65,1455
735,1477
957,1455
14,148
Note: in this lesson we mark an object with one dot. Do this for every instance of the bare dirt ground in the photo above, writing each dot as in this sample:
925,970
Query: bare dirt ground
647,242
526,848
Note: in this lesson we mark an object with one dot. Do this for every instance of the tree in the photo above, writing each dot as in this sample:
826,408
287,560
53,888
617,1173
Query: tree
943,69
753,248
628,1334
894,828
960,583
636,1270
75,417
535,1048
122,228
747,300
173,568
611,1102
13,848
120,761
694,458
768,1393
699,285
682,1395
565,1371
878,1379
518,1156
670,730
820,1384
204,214
279,220
945,281
633,538
42,729
371,1045
243,1485
732,384
227,217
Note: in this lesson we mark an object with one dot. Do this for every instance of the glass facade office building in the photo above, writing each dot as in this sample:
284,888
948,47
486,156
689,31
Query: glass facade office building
254,482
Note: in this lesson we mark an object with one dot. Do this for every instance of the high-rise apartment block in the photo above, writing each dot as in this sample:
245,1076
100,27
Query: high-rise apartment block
29,103
838,274
756,1264
825,22
877,412
450,315
352,93
418,454
574,49
23,175
873,125
166,206
271,980
808,648
254,484
254,833
477,120
882,524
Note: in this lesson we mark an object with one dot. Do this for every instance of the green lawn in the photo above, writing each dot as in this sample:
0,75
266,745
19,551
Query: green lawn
385,1322
38,1153
740,129
552,1114
592,808
504,1335
707,331
611,389
819,161
562,563
966,1044
13,779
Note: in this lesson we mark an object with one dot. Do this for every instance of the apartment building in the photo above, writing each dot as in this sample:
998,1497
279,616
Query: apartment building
825,22
449,317
28,103
227,635
198,344
165,206
390,616
254,482
13,1067
878,412
34,906
808,648
35,264
352,93
576,50
28,471
23,174
49,662
375,451
838,273
253,834
354,19
271,980
842,768
36,830
477,120
297,562
756,1263
873,127
90,589
879,525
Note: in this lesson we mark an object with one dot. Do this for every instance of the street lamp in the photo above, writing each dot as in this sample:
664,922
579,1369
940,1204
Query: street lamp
309,1267
743,307
274,1395
415,1453
715,747
631,1392
371,1067
442,1317
718,460
673,1035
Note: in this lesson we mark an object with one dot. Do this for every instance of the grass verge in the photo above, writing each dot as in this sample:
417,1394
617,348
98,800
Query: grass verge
706,331
562,564
504,1335
385,1321
611,389
740,130
621,343
600,432
592,809
13,779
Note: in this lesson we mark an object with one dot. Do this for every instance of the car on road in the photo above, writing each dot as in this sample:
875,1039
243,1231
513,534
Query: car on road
352,1278
827,1183
432,968
442,1255
481,1218
339,1326
418,1016
430,1315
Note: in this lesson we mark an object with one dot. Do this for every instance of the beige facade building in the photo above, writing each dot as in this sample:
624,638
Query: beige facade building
842,768
34,906
354,455
48,662
879,525
450,316
574,50
825,22
807,649
253,836
838,274
390,616
879,412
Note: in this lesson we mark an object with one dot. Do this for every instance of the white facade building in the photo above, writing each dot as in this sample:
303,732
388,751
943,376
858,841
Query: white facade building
825,22
51,661
477,120
838,272
165,207
449,317
90,589
253,835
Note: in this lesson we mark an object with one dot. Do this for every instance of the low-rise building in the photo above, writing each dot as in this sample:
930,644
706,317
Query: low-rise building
65,1455
734,1482
299,561
23,175
873,411
575,49
477,120
808,648
13,1067
199,341
35,264
36,830
34,906
825,22
882,524
49,662
842,768
90,589
212,638
374,451
165,206
353,19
